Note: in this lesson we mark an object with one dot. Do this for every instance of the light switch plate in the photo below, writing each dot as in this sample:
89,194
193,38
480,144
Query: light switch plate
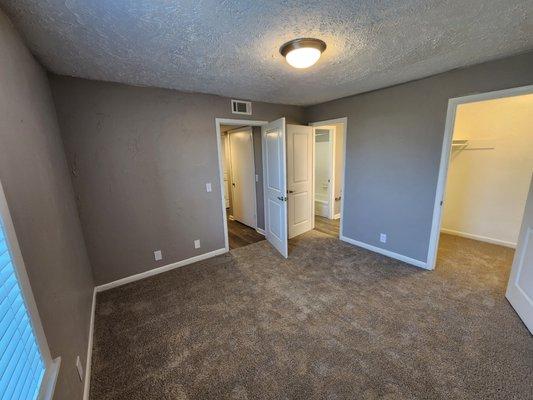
383,238
197,244
208,187
158,255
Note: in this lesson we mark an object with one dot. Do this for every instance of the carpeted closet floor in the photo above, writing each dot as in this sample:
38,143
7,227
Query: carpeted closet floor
332,322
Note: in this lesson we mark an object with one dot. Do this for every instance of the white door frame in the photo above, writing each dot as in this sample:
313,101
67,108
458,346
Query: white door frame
344,122
331,167
232,188
445,159
228,121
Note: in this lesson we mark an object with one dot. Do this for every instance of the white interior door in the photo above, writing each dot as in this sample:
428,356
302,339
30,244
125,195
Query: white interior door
300,178
225,164
275,184
520,287
243,200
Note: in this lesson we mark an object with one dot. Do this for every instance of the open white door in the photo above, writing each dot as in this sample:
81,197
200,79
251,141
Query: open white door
275,184
520,287
243,197
300,178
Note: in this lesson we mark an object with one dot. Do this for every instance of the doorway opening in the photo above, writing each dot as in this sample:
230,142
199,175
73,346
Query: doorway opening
328,172
484,181
283,171
242,181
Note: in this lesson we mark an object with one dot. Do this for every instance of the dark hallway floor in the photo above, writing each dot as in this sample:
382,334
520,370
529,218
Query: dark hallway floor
333,321
240,235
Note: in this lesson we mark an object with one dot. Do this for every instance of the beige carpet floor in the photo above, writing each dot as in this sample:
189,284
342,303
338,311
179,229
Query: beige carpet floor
332,322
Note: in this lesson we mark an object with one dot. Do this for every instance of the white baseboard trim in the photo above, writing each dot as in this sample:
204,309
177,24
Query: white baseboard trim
391,254
337,216
479,237
261,231
49,381
159,270
89,356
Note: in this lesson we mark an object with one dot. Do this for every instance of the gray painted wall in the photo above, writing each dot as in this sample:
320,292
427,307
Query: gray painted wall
34,173
394,143
140,159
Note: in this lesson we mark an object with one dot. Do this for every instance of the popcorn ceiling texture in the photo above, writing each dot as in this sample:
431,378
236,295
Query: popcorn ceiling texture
231,47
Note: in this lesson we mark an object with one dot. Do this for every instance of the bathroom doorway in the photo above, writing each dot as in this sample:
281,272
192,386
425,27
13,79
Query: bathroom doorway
328,171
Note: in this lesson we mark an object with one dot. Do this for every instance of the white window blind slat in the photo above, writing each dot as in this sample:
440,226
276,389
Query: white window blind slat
8,277
7,291
21,364
32,371
21,370
7,341
12,372
13,378
11,359
4,258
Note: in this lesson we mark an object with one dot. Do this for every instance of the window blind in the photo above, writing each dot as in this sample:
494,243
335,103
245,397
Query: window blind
21,364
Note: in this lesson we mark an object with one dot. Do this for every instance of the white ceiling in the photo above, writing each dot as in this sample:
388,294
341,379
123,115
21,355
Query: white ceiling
231,47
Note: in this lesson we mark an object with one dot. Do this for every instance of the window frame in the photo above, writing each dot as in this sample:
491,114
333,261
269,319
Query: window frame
46,390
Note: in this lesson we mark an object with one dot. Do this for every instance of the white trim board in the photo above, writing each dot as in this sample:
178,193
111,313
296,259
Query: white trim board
89,355
260,231
249,130
453,103
50,380
479,238
388,253
344,122
159,270
236,122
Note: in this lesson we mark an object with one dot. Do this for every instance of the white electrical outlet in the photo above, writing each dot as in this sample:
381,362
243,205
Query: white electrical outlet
197,244
383,238
158,255
208,187
79,367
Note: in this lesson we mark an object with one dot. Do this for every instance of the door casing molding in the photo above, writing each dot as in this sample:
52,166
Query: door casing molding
236,122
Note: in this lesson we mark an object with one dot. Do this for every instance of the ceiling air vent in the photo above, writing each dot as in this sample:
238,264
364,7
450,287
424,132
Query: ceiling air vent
241,107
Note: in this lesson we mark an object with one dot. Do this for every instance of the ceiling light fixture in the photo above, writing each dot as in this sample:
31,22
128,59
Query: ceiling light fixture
302,53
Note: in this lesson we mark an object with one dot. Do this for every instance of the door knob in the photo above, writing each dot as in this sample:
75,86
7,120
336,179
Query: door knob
281,198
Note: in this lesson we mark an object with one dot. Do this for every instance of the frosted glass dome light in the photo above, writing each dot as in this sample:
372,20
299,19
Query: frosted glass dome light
302,53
